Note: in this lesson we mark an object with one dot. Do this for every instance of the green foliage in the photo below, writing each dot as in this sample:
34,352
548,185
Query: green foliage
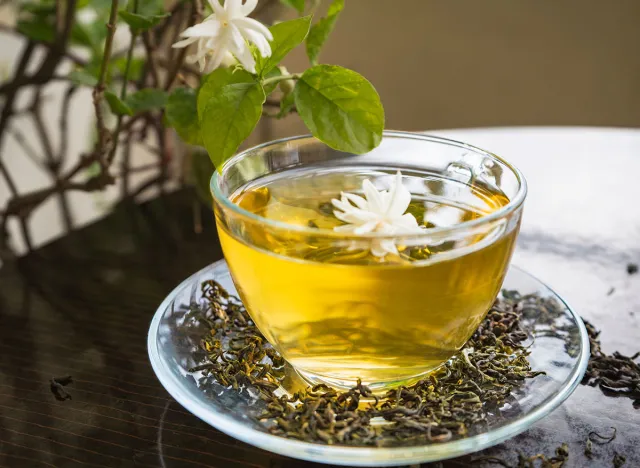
286,105
140,23
229,107
286,36
146,7
321,30
135,67
295,4
146,99
116,104
82,78
37,28
340,107
181,113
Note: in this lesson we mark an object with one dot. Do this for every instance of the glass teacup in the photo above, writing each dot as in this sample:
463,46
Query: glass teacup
335,310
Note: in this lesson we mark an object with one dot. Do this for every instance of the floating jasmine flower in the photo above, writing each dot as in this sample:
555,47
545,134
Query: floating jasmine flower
379,211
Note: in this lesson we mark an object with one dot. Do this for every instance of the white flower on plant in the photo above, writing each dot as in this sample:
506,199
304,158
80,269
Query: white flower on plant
227,34
380,211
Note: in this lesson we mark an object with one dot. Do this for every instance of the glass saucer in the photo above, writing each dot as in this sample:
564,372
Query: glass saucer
173,345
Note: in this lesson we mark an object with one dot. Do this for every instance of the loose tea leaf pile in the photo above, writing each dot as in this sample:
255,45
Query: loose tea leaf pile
448,404
615,374
535,461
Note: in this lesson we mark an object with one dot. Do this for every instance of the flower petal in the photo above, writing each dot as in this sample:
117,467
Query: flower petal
216,59
217,8
205,29
233,34
407,222
345,228
244,56
258,39
355,199
184,43
374,200
250,23
341,204
233,7
248,7
380,248
399,199
366,227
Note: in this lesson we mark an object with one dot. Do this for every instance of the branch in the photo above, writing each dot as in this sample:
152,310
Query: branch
33,80
196,16
57,50
26,146
123,90
150,49
68,54
36,112
63,124
5,116
98,91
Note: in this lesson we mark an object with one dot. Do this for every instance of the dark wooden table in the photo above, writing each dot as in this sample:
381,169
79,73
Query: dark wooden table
81,306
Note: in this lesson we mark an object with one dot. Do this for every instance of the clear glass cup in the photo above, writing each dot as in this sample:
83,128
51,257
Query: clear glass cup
335,313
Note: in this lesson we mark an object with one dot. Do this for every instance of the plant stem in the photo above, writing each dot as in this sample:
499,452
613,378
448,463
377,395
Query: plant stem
98,91
277,79
123,90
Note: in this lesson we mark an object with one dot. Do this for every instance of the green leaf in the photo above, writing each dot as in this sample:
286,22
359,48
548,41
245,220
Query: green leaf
229,107
296,4
135,67
340,107
81,36
201,172
321,30
146,99
139,23
146,7
83,78
38,29
182,114
38,8
286,105
116,105
286,36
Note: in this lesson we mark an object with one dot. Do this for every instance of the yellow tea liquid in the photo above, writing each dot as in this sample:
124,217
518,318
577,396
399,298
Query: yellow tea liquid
338,313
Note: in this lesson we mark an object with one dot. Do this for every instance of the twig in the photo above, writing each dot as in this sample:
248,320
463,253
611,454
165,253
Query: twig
196,16
36,113
63,124
98,91
69,54
26,146
52,163
151,63
57,50
5,116
125,166
156,179
123,90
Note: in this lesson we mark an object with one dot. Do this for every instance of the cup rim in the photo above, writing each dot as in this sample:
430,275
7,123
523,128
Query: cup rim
502,212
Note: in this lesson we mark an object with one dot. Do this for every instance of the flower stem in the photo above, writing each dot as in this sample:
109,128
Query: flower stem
277,79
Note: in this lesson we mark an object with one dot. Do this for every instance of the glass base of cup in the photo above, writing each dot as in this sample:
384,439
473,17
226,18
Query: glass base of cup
378,387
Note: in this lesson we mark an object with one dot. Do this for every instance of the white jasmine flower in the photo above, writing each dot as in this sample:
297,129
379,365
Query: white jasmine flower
227,33
382,212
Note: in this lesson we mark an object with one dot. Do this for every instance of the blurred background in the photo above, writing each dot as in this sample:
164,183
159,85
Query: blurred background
436,64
